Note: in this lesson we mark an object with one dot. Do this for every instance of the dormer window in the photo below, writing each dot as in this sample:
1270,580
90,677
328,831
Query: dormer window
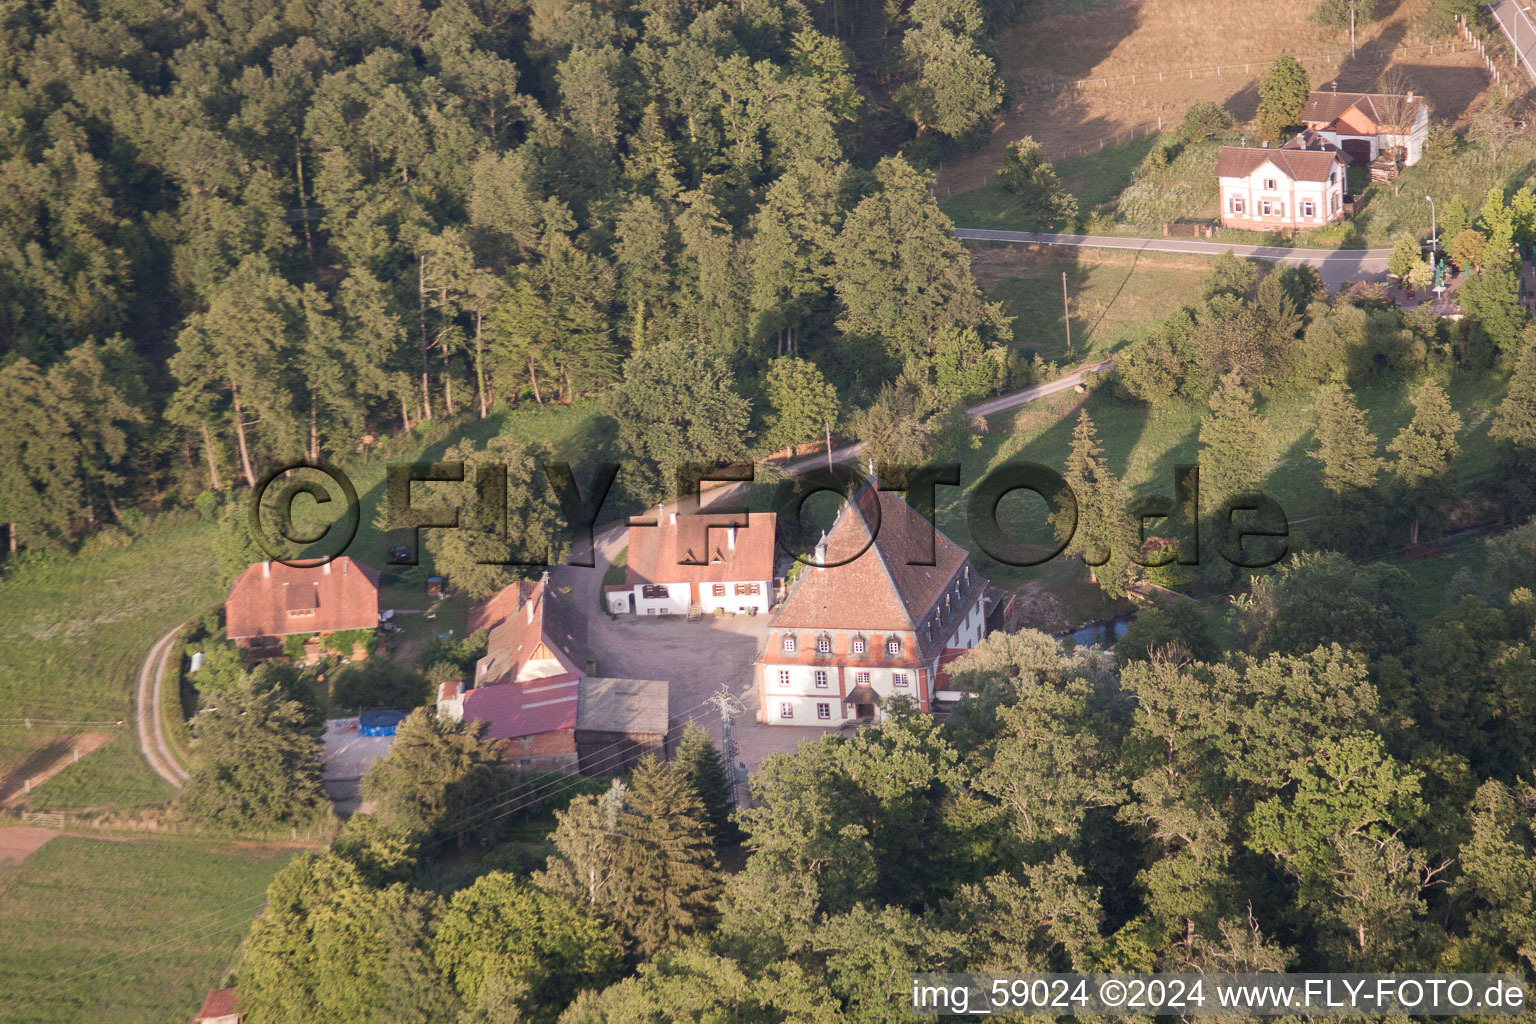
789,645
893,648
858,646
823,645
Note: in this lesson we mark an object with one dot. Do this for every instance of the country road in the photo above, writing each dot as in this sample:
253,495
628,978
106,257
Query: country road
147,712
1337,266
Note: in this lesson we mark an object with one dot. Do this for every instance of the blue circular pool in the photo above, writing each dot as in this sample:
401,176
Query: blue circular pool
379,723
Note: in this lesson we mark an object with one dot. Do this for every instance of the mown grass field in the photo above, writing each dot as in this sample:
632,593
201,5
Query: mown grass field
76,627
127,931
1113,296
114,778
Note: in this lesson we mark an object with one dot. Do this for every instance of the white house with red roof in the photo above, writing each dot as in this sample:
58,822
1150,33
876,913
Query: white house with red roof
1301,185
1364,125
709,560
893,596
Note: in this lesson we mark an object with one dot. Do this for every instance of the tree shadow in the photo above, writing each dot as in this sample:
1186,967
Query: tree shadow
15,780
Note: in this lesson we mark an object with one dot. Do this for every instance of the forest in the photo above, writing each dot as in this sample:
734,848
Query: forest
238,233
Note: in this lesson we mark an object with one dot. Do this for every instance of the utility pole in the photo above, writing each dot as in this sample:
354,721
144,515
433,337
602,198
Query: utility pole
1066,311
1351,29
729,707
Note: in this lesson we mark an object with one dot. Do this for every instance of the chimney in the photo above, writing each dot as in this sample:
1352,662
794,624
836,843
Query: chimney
266,570
674,519
821,552
326,568
730,538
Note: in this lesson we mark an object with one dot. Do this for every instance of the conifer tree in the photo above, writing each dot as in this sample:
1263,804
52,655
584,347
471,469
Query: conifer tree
1345,447
1424,450
666,860
709,776
1282,96
1236,446
1105,534
1515,420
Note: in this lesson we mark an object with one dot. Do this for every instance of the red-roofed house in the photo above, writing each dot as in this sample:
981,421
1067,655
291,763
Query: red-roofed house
1298,186
533,692
220,1008
271,600
716,561
851,635
1365,124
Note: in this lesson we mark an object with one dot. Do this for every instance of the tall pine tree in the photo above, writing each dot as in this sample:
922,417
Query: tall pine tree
1236,446
1424,450
709,777
670,874
1345,447
1105,536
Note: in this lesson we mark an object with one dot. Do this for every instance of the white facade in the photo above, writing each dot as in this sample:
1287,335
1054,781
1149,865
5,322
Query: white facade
811,694
652,599
1268,199
746,597
749,597
1412,143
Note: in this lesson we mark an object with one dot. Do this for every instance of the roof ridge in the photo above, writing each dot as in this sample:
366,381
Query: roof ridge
874,487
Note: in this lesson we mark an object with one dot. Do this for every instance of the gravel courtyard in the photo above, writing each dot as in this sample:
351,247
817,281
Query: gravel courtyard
697,657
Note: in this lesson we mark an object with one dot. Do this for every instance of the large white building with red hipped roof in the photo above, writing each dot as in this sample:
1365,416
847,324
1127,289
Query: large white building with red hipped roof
875,622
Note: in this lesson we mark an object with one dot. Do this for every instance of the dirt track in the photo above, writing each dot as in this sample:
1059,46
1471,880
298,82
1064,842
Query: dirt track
17,844
147,712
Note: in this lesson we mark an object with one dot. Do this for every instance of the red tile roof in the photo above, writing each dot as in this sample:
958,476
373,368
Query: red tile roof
702,548
1296,164
220,1003
1325,107
517,635
500,606
514,710
273,599
879,589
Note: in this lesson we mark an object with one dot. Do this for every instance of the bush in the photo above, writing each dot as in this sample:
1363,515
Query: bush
378,684
1182,629
293,645
1512,560
1204,119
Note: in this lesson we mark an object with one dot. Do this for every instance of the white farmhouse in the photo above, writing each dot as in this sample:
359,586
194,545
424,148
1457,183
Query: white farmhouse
1294,188
718,562
1366,126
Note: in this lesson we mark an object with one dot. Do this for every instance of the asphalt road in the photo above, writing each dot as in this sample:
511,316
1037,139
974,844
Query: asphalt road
1337,266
